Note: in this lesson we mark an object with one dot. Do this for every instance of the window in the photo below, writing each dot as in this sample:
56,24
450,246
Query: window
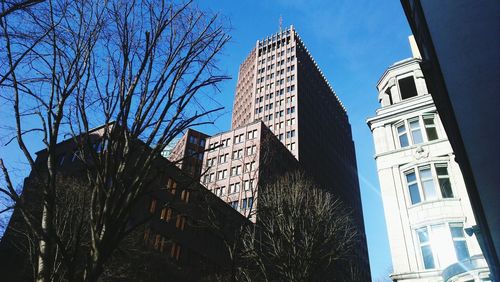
430,127
239,138
422,183
250,166
427,183
166,214
171,186
236,187
402,135
234,205
236,170
213,146
411,181
247,203
444,180
251,150
223,158
180,222
221,174
425,248
191,152
290,134
442,244
458,237
407,87
237,154
252,134
152,205
409,132
250,202
416,133
193,140
185,196
175,252
225,143
210,162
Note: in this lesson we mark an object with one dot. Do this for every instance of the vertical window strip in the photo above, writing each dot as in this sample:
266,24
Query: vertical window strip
425,248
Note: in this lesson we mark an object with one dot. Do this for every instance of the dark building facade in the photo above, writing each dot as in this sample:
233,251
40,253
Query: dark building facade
187,154
183,239
459,44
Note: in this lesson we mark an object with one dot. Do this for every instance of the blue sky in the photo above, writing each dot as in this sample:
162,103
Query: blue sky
353,42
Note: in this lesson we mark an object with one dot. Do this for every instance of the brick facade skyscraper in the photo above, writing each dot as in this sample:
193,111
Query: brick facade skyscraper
281,84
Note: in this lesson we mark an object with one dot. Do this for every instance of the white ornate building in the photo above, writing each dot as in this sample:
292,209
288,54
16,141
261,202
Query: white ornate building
426,206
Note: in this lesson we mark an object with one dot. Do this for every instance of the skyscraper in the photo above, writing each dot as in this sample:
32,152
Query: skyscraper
425,200
280,84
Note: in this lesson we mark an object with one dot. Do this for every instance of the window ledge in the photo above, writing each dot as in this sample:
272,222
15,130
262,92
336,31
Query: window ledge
411,147
455,199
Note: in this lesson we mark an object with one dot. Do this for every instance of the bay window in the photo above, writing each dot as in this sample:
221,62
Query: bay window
422,183
416,130
442,244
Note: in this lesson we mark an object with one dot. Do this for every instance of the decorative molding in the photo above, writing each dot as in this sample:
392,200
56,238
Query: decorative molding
421,152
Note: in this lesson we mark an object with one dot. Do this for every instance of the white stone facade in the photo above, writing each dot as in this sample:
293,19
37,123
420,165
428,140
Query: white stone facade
425,200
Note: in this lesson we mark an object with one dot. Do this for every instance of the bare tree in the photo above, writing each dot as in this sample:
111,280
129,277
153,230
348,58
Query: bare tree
260,160
9,7
302,233
140,68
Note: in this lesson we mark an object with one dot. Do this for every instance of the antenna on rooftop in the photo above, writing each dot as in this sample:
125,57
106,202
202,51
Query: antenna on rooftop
281,22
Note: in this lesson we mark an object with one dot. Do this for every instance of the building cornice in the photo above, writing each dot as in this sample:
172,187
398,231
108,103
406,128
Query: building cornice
414,104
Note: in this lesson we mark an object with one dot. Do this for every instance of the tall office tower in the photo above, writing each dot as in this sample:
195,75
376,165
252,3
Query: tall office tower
280,83
426,206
